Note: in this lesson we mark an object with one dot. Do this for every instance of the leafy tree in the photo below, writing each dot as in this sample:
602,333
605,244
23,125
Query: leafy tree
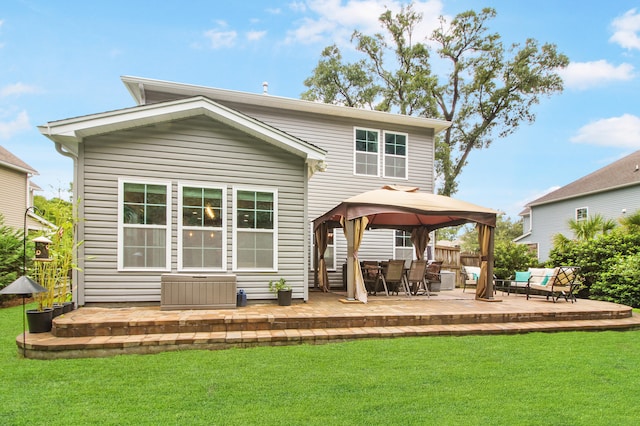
489,91
510,257
591,227
507,230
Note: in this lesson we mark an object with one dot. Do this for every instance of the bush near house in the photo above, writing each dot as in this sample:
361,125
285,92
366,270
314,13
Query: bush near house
606,263
11,249
510,257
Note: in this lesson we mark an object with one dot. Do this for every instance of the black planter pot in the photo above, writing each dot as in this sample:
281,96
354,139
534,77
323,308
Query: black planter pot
58,310
284,297
40,321
67,307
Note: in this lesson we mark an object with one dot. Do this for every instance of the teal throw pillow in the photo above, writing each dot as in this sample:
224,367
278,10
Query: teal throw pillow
523,276
545,280
475,276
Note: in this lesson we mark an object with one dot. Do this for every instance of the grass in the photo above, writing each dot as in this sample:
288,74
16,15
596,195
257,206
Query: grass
576,378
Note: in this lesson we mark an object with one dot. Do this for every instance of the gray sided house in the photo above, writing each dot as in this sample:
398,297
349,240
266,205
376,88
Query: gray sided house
17,192
196,180
611,191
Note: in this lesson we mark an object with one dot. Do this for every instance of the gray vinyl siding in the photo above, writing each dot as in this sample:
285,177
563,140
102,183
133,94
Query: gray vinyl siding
338,182
191,150
550,219
13,193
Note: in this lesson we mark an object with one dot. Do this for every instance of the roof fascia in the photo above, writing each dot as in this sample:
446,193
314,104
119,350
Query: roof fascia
583,194
71,132
137,86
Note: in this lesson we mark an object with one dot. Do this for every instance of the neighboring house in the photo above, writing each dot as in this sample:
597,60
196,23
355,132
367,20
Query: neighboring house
16,193
611,191
198,180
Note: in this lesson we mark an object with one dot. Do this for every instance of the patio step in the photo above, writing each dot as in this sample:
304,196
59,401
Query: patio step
48,346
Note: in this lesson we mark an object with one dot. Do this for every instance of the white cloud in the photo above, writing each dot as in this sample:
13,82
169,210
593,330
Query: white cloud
626,29
17,89
623,131
10,128
256,35
583,75
335,20
220,38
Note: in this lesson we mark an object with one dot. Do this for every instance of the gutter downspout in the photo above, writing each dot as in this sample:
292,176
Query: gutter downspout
76,274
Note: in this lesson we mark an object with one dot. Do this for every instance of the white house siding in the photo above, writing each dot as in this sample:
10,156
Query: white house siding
195,150
13,193
550,219
329,188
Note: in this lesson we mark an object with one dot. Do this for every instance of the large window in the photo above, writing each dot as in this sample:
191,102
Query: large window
255,229
366,152
201,227
144,231
395,155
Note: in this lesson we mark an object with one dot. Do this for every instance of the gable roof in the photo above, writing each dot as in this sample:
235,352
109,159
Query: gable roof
9,160
71,132
138,87
619,174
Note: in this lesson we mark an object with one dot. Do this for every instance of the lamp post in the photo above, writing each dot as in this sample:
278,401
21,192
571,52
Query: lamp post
24,237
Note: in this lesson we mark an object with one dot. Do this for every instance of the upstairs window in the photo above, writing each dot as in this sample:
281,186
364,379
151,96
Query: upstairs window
366,152
395,155
581,214
144,232
255,230
201,228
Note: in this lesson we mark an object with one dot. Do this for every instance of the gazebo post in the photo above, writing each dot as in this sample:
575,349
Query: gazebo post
490,258
348,232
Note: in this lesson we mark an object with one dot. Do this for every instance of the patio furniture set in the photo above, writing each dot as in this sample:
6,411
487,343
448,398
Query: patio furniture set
393,276
553,283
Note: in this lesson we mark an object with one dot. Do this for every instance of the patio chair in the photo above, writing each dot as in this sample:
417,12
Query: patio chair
393,276
416,280
561,283
371,276
470,276
433,273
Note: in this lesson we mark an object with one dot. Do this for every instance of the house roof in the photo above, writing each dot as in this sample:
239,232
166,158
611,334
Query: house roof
9,160
138,87
70,132
619,174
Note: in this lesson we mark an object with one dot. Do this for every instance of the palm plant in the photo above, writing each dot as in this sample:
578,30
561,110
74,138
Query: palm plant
592,226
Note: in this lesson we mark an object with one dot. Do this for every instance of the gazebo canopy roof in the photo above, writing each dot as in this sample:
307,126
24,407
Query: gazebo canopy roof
401,207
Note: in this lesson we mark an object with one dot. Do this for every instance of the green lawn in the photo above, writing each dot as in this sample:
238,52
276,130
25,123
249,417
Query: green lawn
559,379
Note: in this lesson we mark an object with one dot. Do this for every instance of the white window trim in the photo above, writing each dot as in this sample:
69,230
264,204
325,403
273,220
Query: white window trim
395,247
385,155
234,244
586,209
223,230
121,225
355,152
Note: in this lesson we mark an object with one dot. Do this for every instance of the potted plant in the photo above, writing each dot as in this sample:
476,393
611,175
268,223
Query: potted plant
283,290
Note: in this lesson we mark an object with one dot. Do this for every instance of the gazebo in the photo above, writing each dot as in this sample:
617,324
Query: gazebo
405,208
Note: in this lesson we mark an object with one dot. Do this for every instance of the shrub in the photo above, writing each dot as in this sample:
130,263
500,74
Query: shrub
11,251
620,283
510,257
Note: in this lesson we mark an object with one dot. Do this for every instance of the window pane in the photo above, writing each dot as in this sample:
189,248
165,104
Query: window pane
134,193
255,250
395,167
156,215
202,249
144,248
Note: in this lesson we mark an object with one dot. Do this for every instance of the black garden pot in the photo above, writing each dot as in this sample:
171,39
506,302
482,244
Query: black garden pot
40,321
284,297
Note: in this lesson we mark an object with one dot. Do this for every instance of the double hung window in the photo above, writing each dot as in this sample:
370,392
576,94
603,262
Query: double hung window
201,227
255,229
395,155
366,152
144,231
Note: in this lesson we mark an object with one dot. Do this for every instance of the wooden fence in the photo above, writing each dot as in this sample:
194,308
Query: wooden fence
452,260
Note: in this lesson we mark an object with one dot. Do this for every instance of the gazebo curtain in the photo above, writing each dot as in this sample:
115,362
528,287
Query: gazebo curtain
322,239
484,240
420,239
359,226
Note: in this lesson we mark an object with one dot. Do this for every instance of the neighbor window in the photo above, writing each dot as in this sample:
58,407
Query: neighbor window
402,246
581,214
395,155
201,225
255,229
144,231
366,152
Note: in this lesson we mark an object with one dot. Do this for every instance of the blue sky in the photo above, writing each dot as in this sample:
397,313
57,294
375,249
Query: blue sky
64,59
